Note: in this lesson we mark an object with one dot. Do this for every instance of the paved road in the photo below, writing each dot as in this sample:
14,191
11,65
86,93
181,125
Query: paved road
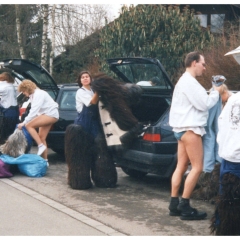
134,207
24,213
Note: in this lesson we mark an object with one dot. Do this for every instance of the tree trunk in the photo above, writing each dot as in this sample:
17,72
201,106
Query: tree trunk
19,37
44,36
53,40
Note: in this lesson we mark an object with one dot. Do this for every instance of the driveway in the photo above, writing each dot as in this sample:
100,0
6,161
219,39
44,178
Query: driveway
135,207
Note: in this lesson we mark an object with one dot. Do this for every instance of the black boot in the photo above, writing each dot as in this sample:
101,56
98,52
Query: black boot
173,207
189,213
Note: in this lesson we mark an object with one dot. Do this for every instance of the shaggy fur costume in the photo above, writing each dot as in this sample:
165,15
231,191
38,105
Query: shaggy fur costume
207,187
78,155
118,99
226,219
15,145
103,171
83,152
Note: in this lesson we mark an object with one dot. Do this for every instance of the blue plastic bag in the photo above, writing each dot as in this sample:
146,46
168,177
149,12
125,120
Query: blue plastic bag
31,165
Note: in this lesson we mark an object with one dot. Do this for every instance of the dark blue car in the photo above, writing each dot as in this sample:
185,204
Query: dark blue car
155,151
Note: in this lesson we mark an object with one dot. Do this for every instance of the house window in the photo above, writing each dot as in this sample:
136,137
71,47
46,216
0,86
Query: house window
203,19
217,21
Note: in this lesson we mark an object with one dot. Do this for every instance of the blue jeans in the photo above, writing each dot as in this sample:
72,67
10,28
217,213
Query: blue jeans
210,145
229,167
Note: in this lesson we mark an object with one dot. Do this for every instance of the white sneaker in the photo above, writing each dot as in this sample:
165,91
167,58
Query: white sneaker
47,162
41,149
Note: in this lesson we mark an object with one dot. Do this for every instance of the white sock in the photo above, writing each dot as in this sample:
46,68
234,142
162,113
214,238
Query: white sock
41,149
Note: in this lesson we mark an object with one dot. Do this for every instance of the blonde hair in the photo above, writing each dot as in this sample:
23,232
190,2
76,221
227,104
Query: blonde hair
27,86
224,88
7,76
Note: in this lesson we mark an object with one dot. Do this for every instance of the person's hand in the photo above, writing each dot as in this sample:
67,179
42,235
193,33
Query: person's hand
219,89
20,125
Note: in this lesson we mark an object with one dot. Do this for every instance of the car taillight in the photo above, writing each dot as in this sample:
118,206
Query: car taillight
22,111
152,137
152,134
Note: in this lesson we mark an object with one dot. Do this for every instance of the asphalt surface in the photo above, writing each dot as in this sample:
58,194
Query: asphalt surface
27,213
47,206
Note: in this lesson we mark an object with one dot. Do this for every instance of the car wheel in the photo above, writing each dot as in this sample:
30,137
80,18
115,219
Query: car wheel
133,173
58,151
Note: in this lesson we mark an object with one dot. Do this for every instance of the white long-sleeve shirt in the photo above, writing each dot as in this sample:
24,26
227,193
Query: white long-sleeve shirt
8,94
83,97
228,137
41,103
190,104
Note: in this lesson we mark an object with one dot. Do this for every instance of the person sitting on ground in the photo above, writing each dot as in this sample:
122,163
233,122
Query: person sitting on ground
42,115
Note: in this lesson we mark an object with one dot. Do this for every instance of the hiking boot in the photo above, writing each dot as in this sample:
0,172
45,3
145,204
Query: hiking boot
173,207
192,214
189,213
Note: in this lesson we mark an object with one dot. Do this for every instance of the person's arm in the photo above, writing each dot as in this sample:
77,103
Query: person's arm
199,98
94,99
36,104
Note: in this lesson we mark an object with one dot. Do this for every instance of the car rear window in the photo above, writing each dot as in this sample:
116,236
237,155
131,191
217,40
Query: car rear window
143,74
68,101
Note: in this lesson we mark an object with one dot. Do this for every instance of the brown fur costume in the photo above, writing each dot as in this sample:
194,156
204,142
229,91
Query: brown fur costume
78,154
226,219
83,153
103,171
117,99
208,185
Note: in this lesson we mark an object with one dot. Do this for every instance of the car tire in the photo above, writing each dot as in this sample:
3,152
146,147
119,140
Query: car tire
58,151
133,173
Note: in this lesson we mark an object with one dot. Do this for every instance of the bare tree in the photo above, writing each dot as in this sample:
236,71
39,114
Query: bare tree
53,39
76,21
44,36
19,33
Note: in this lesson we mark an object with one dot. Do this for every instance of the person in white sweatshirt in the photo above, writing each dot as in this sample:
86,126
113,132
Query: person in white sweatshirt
9,111
42,115
188,116
228,136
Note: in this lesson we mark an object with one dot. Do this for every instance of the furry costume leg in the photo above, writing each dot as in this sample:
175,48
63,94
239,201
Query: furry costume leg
103,171
208,185
78,148
226,219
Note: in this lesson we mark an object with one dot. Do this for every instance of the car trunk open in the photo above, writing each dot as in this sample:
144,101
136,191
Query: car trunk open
156,96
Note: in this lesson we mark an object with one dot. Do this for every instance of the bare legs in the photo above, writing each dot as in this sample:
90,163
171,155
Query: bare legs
44,124
189,149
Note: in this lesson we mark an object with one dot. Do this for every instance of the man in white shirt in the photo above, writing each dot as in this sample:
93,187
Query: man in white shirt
188,116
